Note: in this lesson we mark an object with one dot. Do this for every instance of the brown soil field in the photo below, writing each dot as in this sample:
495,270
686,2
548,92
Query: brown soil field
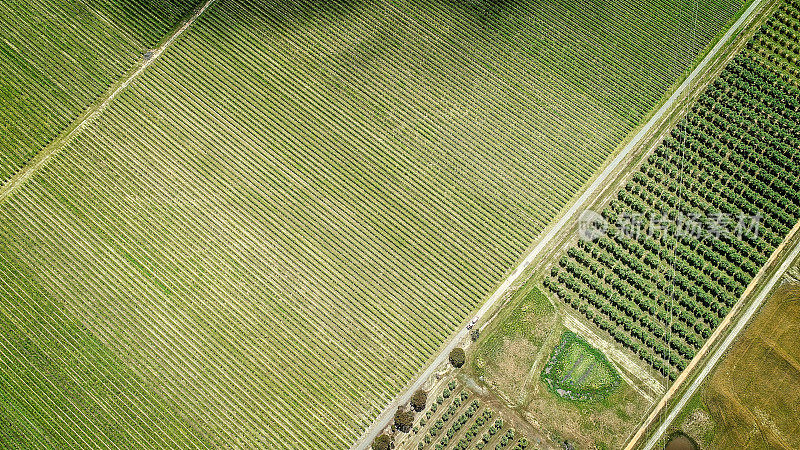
751,399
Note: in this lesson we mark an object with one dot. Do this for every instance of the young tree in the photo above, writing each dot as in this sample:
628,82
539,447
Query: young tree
457,357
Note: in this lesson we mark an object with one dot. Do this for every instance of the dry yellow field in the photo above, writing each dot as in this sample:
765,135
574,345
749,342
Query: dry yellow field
751,399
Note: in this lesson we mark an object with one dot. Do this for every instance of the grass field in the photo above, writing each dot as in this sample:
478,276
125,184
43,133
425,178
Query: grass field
507,353
59,57
577,371
286,215
750,400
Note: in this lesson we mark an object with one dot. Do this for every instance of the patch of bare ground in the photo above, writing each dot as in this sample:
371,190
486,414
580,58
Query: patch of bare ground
510,374
605,424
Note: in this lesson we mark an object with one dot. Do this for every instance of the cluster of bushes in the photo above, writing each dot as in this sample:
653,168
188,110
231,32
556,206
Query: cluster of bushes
457,357
458,415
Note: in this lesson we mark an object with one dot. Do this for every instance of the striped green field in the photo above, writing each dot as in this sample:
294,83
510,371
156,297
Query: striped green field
273,228
58,57
62,388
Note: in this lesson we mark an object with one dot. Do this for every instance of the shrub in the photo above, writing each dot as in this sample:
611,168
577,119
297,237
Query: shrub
457,357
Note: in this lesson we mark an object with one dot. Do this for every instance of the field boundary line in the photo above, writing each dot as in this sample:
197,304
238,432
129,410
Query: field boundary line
93,112
382,421
738,327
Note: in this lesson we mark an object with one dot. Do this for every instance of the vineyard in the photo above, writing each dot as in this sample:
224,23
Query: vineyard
60,387
275,226
59,57
699,219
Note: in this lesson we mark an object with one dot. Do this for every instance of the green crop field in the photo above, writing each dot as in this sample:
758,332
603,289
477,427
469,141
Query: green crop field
58,57
60,387
271,230
726,184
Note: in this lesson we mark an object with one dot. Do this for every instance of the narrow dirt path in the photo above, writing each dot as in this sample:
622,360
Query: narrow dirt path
93,112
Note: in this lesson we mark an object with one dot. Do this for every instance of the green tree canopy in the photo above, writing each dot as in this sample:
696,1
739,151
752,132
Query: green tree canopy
403,420
381,442
457,357
418,400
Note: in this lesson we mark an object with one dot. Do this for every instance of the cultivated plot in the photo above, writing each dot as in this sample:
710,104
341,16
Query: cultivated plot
284,217
59,57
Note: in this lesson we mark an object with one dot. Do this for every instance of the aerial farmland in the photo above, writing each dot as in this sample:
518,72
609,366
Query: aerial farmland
319,225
